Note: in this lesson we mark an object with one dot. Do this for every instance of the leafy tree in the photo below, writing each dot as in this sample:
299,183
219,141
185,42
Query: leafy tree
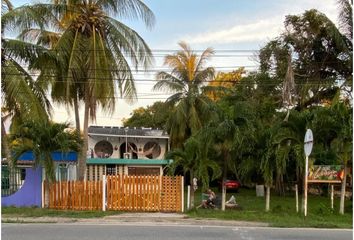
43,138
154,116
194,159
333,126
187,77
92,51
315,44
224,81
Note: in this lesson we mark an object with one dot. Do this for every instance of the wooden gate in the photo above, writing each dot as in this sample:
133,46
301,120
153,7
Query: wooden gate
144,193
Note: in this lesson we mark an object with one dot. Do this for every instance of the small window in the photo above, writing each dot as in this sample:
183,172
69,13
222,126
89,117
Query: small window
111,169
11,180
62,172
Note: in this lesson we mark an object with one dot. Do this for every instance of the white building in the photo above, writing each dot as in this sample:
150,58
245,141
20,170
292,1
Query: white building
128,151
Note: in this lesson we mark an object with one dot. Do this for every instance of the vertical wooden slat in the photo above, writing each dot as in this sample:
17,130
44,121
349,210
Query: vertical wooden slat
152,193
119,191
125,192
52,194
108,193
140,185
144,192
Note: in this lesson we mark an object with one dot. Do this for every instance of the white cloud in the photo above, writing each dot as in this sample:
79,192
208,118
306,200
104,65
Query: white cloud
252,32
264,26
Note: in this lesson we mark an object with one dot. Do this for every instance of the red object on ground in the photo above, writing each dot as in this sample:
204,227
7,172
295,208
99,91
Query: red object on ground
232,184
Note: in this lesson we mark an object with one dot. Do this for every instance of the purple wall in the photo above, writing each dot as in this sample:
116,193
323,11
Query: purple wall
30,194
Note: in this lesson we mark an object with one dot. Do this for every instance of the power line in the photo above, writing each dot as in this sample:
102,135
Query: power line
236,81
40,48
157,69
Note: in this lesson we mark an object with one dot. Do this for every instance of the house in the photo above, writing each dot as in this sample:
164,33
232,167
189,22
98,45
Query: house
125,151
112,151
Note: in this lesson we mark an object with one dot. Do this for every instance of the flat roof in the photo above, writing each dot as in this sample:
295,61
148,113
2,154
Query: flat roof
127,132
124,161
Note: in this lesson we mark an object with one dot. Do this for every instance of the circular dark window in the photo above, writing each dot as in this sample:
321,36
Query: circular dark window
103,149
152,150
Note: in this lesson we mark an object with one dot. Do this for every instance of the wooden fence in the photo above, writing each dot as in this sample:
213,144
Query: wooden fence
126,193
76,195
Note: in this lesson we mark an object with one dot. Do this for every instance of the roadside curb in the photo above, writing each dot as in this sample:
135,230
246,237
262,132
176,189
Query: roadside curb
157,219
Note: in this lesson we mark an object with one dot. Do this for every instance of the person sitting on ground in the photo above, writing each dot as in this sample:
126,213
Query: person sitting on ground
210,202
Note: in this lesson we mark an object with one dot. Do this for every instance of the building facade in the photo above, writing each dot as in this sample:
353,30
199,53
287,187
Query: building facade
125,151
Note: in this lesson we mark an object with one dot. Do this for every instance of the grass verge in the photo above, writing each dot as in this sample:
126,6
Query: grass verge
283,211
42,212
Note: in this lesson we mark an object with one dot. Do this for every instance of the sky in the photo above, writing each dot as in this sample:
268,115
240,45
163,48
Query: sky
228,26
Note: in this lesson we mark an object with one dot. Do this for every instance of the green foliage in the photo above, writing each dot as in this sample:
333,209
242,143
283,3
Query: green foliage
43,138
93,55
194,159
192,109
155,116
315,43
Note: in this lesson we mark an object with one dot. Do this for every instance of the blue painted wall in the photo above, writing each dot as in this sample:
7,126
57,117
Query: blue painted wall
30,194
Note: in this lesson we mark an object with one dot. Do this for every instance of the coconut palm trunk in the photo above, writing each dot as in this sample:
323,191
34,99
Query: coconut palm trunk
224,176
83,153
77,115
267,207
191,174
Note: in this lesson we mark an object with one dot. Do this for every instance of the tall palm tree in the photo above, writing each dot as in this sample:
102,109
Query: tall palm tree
186,79
94,51
194,159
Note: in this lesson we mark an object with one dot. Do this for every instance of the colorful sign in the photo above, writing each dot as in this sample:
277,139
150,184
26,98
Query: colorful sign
325,172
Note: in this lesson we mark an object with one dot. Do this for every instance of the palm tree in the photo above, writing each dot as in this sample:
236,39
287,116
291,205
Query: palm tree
194,159
23,98
43,138
92,51
343,144
185,81
231,133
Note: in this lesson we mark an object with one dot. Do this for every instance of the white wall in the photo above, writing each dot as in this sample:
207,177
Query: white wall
139,142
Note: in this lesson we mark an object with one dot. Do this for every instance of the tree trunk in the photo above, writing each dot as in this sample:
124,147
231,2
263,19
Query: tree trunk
46,193
267,198
77,116
279,185
223,192
5,145
83,153
192,190
342,192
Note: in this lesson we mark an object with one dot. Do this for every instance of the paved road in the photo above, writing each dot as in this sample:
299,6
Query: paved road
135,231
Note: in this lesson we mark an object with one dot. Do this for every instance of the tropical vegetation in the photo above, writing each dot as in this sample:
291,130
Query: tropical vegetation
247,124
87,59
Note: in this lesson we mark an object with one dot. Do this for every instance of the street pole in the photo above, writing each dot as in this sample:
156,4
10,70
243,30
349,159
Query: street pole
126,140
308,144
